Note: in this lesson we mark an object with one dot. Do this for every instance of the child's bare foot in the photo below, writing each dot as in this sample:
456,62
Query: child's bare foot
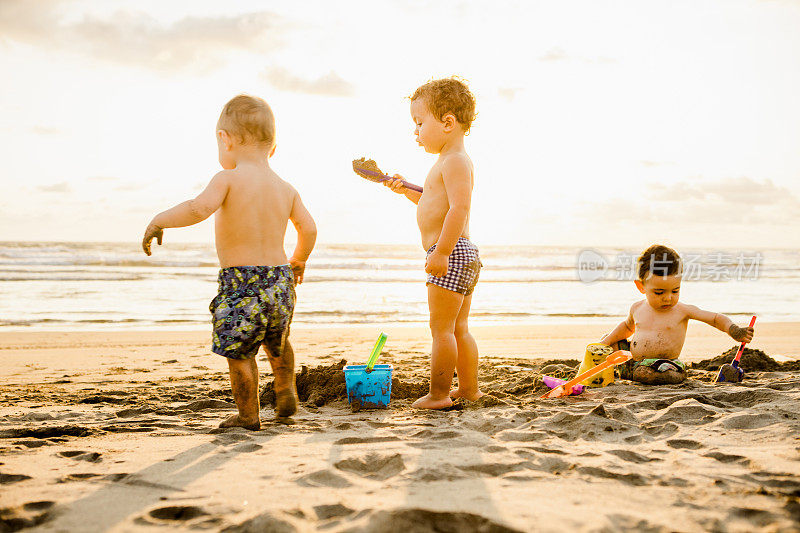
467,395
427,402
286,402
235,421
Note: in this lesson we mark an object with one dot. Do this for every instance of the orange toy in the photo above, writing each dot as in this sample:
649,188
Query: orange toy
616,358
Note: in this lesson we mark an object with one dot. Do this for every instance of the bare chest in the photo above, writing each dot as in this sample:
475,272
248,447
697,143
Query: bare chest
658,335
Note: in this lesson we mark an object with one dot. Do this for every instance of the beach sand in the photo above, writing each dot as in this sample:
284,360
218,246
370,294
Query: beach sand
117,431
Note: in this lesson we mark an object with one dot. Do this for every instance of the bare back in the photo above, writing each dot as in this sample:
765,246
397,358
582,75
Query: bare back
433,205
250,225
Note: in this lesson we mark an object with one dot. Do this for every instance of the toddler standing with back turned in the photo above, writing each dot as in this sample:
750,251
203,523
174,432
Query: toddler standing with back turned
256,297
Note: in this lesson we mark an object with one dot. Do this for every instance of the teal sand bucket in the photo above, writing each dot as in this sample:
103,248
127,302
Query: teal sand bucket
368,390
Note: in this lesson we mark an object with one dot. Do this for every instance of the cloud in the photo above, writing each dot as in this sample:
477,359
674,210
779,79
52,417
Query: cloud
554,54
734,191
135,38
723,203
558,54
131,187
57,187
508,93
45,131
331,84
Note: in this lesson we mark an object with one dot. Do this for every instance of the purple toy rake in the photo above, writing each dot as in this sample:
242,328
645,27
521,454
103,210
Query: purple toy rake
368,169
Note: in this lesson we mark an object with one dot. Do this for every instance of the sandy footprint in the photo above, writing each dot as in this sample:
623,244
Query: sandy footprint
178,513
684,444
632,457
662,430
425,520
373,466
202,405
47,432
520,436
247,448
323,478
494,469
630,479
755,518
30,514
728,458
444,472
436,435
336,510
365,440
688,411
620,522
272,522
551,465
79,455
77,477
7,479
749,421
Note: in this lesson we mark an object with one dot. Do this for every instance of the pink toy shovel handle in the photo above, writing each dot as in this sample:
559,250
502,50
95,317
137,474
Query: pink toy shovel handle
384,177
736,359
557,382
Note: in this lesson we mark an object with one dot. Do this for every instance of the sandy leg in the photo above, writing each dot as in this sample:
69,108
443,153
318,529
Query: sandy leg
647,375
467,360
444,306
285,385
244,383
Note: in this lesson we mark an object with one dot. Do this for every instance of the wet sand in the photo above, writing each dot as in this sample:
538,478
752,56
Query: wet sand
116,431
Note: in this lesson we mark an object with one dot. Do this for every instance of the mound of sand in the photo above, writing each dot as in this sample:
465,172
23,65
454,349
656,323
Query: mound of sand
324,384
753,360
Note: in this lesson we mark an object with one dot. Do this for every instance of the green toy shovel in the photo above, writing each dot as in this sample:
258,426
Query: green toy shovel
376,351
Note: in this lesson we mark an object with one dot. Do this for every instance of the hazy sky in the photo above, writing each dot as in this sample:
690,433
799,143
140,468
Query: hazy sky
599,122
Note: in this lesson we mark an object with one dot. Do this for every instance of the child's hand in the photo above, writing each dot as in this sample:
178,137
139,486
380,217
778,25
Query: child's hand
152,232
436,264
741,334
298,269
396,184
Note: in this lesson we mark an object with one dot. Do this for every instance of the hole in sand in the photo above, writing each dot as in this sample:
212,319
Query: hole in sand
177,512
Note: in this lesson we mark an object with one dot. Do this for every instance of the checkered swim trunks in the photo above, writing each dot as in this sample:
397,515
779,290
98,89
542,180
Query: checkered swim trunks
463,268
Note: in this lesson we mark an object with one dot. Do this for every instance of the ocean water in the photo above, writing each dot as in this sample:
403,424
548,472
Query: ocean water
90,286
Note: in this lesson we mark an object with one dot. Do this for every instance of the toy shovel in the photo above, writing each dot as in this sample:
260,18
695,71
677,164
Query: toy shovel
552,382
732,373
376,351
616,358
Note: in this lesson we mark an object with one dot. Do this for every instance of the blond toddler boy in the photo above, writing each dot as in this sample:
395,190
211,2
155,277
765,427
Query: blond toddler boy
657,324
256,299
443,111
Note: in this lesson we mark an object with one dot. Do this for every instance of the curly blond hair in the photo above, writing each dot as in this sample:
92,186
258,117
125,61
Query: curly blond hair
448,95
249,120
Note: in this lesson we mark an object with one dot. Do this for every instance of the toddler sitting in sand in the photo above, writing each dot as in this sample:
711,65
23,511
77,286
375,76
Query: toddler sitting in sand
443,111
658,323
256,282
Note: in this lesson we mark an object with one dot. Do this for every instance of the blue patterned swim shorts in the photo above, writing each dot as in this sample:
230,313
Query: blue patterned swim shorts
463,268
254,306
